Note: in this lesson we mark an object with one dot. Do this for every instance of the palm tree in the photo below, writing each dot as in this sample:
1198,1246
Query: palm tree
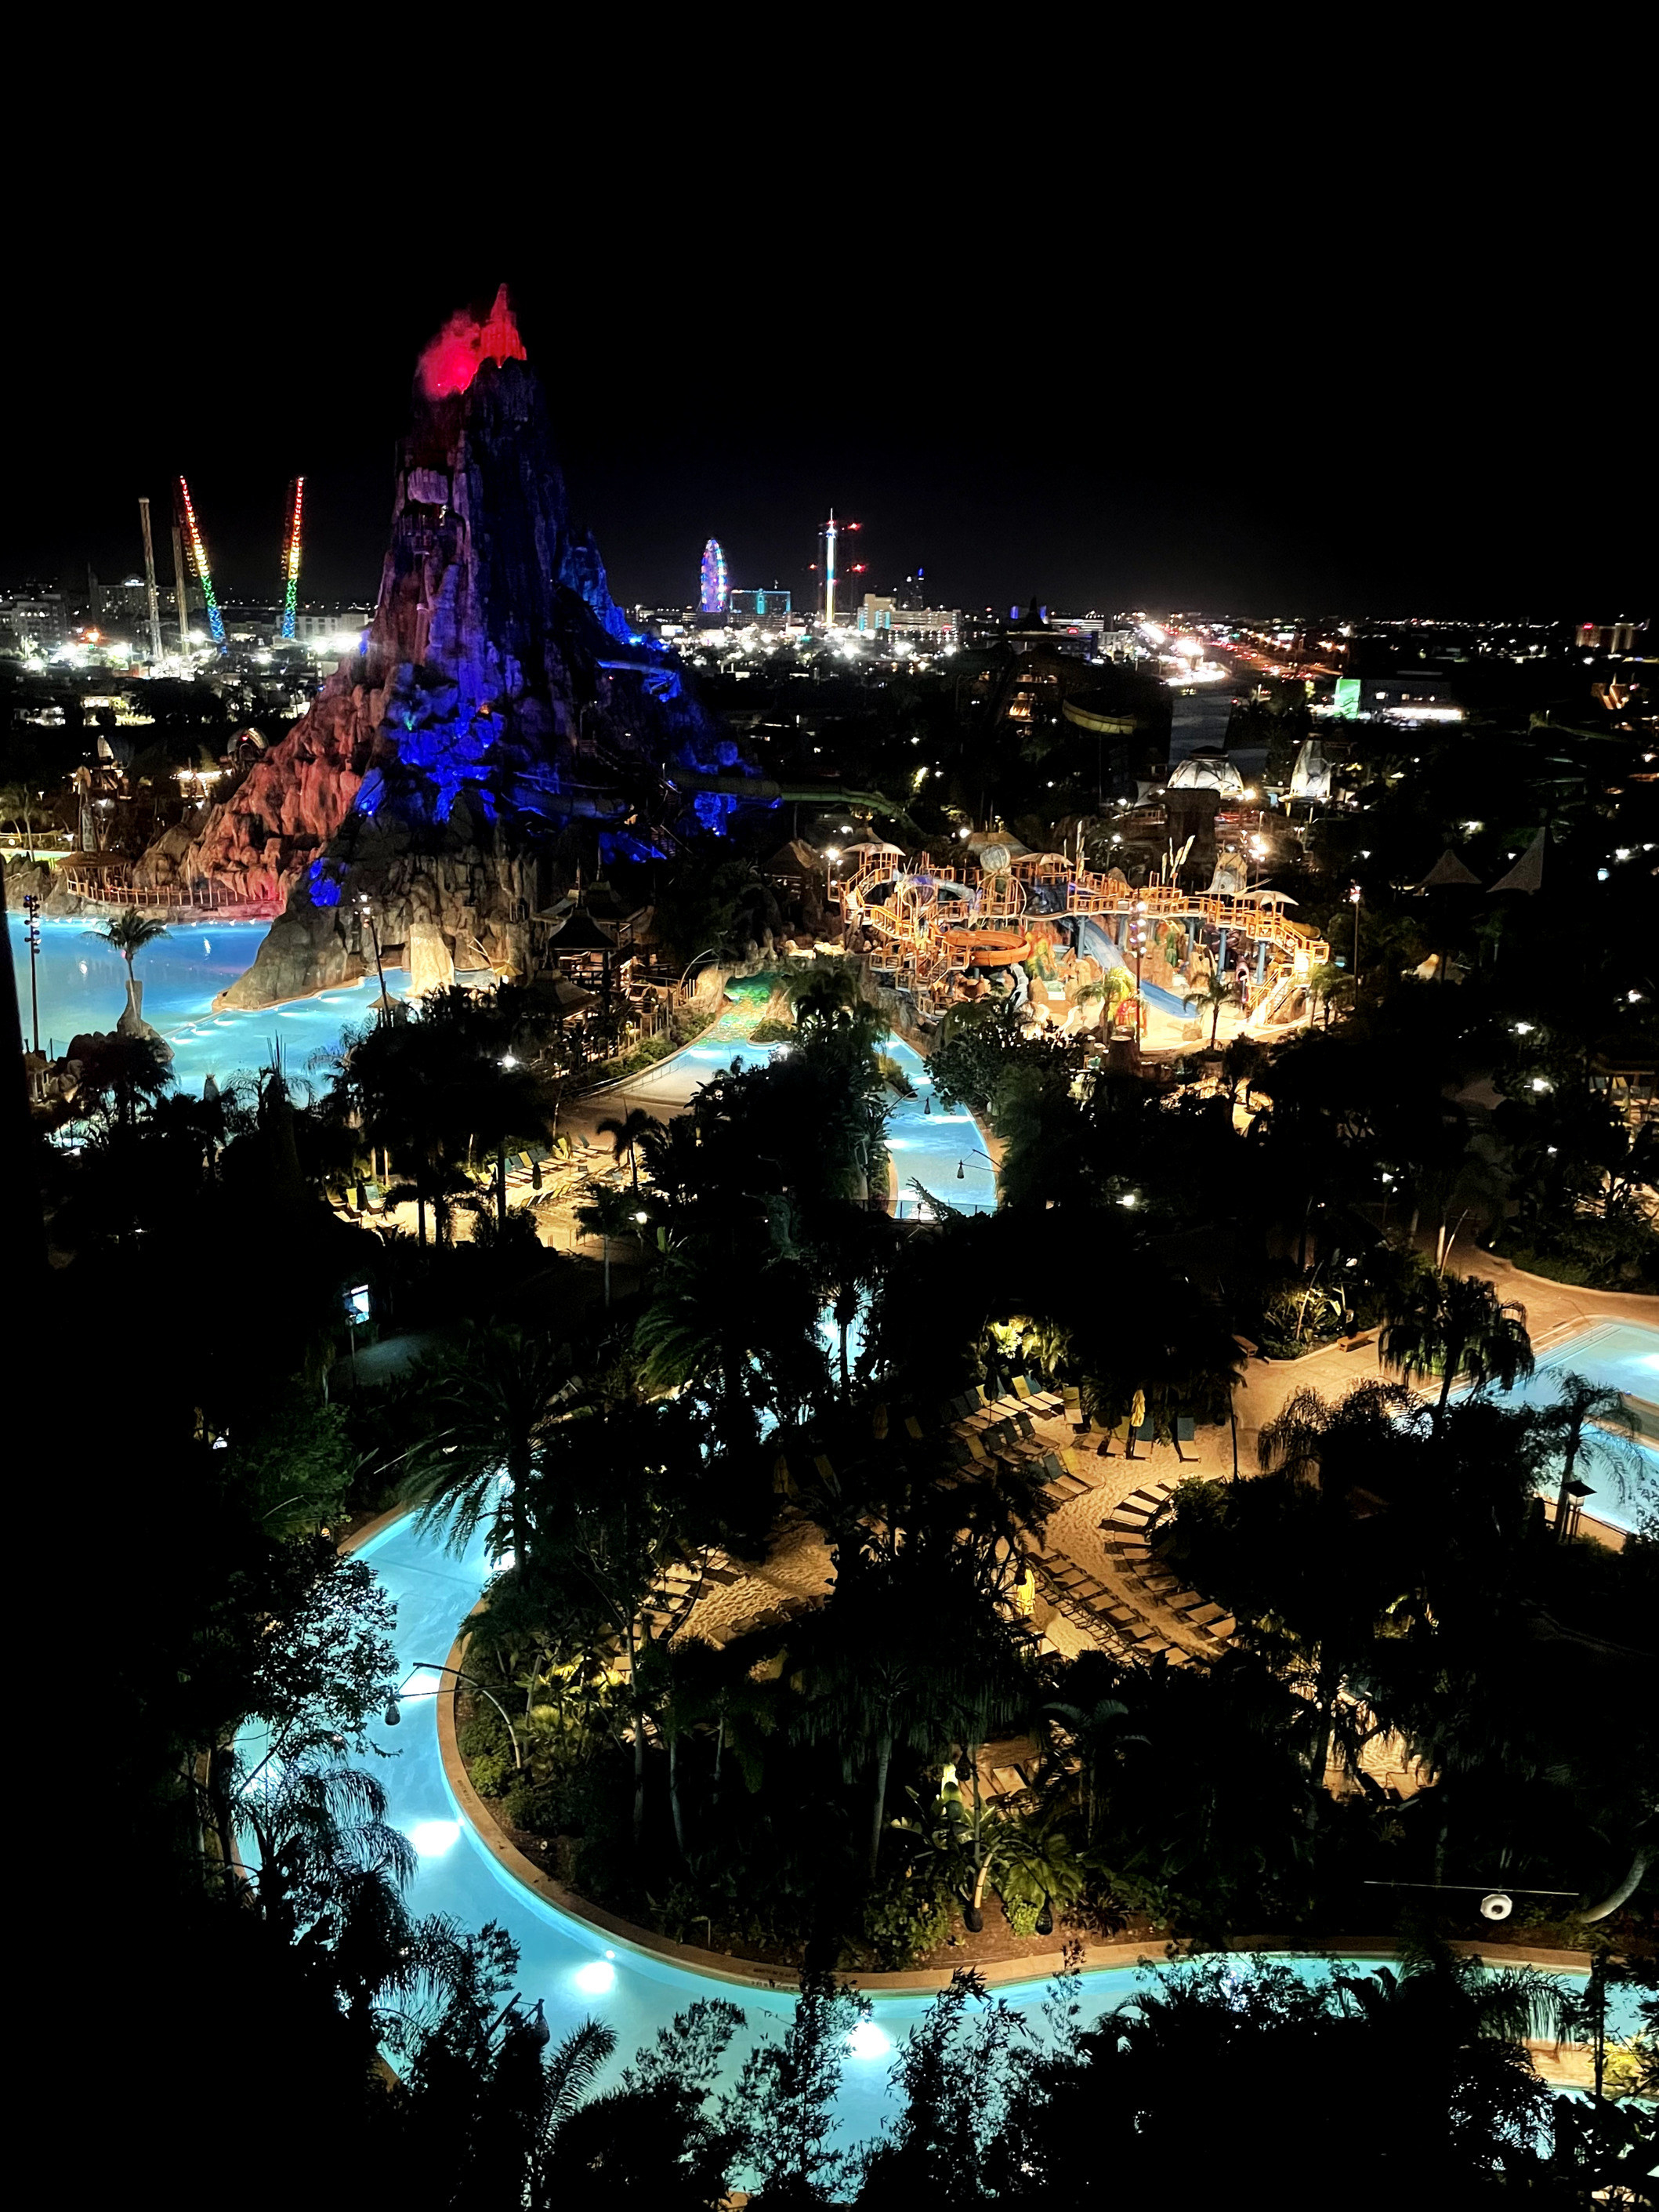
608,1213
1590,1425
312,1824
489,1401
883,1665
1096,1734
625,1131
126,1068
850,1249
129,934
743,1336
1456,1325
671,1151
17,803
1215,992
1325,984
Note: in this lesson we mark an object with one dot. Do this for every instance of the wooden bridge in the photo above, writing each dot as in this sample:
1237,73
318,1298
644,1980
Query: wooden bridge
110,886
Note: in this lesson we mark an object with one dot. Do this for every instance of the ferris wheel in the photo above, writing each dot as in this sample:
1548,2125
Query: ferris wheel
715,591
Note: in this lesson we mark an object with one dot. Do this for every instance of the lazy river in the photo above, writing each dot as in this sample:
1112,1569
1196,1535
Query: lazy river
580,1971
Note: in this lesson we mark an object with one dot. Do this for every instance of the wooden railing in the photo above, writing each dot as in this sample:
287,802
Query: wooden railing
116,891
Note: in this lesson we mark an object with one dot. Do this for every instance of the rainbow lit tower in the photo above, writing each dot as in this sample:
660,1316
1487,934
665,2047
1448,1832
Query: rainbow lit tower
715,590
296,492
198,562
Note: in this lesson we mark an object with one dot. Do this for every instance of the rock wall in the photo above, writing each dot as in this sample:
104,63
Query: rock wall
285,812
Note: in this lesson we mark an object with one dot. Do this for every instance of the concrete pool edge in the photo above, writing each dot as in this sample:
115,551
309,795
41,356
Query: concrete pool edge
748,1973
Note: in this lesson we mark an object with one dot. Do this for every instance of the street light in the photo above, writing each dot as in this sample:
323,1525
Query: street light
367,911
392,1716
708,953
1354,894
32,938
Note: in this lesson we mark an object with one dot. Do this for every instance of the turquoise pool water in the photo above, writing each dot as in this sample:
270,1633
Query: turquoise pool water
1625,1356
83,986
577,1971
942,1150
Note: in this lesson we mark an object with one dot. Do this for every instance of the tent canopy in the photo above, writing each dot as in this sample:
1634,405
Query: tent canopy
1448,871
1527,873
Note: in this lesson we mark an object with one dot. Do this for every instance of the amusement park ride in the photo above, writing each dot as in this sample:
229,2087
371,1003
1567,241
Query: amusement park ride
950,933
189,546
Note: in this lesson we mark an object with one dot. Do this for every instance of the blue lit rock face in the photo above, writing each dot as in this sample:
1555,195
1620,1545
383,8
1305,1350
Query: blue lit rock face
500,719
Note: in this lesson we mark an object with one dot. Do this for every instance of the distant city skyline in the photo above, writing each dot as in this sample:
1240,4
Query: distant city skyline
1259,480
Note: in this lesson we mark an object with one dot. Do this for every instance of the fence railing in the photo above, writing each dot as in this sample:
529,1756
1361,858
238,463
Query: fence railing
116,890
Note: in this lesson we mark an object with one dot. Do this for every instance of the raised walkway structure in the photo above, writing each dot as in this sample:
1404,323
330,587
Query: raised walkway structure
939,922
109,883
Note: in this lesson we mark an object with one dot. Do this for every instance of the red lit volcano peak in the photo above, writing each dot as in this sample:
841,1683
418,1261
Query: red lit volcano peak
455,355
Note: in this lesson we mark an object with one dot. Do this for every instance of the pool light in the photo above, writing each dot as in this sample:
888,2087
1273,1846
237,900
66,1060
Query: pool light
596,1978
867,2040
432,1838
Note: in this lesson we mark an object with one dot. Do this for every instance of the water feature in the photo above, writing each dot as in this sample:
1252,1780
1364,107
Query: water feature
941,1148
83,986
579,1971
1624,1355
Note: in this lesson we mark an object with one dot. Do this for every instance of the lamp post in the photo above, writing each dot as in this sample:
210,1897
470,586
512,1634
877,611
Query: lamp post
1354,894
708,953
393,1716
831,854
32,935
367,911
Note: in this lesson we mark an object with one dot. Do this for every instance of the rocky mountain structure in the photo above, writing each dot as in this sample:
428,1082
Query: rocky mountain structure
450,778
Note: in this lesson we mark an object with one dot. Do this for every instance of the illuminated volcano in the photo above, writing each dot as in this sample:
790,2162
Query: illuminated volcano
500,718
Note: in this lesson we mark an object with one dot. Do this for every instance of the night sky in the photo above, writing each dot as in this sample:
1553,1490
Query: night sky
1098,406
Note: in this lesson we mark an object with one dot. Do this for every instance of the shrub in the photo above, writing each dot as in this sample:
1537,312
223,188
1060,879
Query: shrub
492,1772
535,1806
772,1032
905,1917
484,1733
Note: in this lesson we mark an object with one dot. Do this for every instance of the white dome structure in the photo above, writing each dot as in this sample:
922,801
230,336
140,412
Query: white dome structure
1207,772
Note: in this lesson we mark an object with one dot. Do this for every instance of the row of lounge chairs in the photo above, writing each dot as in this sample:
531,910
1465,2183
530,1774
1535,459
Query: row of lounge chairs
1128,1530
528,1165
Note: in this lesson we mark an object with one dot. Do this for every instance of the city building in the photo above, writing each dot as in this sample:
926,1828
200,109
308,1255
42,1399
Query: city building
37,620
125,607
916,625
1609,637
1096,635
1409,698
766,603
